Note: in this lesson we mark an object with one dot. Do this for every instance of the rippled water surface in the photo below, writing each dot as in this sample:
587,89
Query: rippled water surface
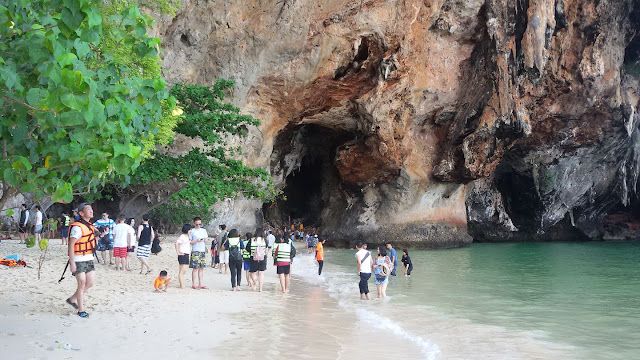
485,301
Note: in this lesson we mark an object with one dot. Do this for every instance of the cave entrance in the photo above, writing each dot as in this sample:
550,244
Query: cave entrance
303,156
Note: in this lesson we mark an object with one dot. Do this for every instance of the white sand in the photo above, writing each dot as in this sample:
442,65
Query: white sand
126,316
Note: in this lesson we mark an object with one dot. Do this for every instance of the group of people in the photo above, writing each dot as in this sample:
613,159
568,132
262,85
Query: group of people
234,252
383,266
230,250
24,220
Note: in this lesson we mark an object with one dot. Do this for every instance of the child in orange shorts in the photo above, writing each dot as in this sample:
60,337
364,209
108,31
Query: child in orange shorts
162,282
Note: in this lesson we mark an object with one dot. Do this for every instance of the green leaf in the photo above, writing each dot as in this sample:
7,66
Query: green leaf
82,48
76,102
159,84
67,59
94,16
71,118
35,96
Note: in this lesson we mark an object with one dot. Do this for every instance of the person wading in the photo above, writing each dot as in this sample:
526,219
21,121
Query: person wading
82,243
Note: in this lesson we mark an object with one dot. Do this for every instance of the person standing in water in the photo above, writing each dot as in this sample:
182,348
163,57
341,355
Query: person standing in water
381,279
320,255
364,261
282,255
394,258
406,262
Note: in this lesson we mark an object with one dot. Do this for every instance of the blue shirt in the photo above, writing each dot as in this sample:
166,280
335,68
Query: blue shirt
392,255
108,223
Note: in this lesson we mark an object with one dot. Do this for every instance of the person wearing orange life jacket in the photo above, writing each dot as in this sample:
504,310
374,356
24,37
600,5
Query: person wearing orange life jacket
82,244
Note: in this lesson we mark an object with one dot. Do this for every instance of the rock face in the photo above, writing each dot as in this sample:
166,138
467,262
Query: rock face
427,122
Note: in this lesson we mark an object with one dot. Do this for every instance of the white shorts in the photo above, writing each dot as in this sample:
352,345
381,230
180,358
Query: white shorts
224,257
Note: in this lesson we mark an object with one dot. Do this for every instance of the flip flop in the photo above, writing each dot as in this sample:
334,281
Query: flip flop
203,287
194,287
83,314
75,306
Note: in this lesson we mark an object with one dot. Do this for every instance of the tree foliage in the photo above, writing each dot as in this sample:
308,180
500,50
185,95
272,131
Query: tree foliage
73,116
210,173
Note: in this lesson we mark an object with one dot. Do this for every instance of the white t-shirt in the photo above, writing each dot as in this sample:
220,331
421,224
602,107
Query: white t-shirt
365,266
197,234
121,232
76,233
270,240
38,218
183,244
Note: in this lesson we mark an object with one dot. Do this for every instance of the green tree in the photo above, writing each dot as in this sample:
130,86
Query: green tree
192,183
73,117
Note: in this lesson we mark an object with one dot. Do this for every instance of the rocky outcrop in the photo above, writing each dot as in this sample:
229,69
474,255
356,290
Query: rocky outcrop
428,122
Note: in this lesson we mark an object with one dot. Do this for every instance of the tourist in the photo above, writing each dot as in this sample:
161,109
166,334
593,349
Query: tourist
162,282
82,242
320,255
131,247
198,238
258,259
271,239
393,257
37,231
282,255
64,232
364,261
183,249
381,278
309,244
215,258
76,216
235,258
22,223
121,240
406,261
246,258
145,234
155,246
223,250
105,243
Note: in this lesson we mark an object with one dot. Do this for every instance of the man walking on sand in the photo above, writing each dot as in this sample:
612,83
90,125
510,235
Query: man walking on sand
82,242
198,238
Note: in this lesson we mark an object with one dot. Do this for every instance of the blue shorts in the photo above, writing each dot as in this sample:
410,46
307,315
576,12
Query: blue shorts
64,232
247,264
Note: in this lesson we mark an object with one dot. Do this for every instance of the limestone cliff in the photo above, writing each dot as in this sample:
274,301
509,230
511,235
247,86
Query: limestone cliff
431,122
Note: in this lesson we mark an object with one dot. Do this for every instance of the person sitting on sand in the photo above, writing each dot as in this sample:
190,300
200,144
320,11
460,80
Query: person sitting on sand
183,249
406,261
162,282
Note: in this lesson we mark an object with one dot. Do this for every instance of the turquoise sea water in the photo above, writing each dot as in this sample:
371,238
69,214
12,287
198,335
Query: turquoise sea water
490,301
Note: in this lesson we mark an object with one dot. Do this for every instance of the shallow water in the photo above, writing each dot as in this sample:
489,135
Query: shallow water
485,301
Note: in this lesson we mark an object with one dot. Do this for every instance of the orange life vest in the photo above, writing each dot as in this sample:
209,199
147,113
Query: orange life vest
87,242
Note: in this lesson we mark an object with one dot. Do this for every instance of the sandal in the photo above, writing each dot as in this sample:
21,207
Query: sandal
194,287
75,306
83,314
203,287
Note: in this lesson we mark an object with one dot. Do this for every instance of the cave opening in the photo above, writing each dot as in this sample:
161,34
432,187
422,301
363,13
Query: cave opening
303,156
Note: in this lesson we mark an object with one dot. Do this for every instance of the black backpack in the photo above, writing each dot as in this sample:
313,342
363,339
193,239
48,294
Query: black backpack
234,253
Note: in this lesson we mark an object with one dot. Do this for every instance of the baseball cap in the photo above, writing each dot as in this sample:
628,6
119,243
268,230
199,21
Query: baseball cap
81,206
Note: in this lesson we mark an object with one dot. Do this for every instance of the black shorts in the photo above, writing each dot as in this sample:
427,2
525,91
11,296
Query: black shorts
258,265
22,229
131,249
183,259
284,269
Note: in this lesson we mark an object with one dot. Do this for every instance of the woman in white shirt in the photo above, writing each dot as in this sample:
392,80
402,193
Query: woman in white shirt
183,249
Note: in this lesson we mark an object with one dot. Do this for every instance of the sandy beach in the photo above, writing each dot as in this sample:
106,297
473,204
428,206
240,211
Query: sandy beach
125,313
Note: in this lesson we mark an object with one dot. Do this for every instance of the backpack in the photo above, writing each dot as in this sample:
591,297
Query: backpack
388,262
293,250
258,255
234,253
